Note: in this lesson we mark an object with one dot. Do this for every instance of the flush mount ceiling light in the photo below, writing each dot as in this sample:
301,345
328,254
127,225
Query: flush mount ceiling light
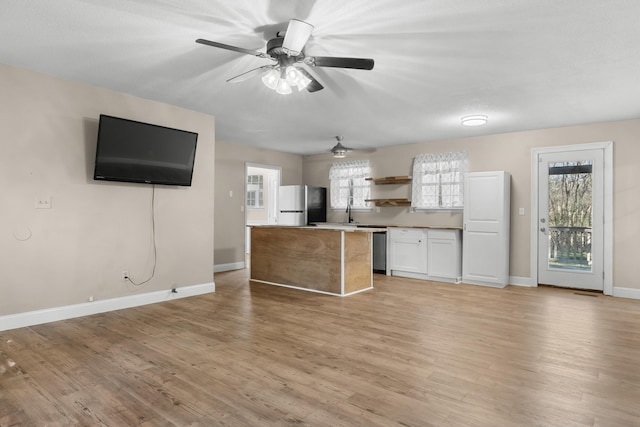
474,120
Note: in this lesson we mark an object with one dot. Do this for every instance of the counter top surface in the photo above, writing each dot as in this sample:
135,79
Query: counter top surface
365,225
331,226
370,228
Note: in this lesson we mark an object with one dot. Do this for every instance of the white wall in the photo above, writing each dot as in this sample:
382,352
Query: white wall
94,230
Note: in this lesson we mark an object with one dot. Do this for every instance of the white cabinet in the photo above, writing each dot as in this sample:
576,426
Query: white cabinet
429,254
407,251
485,255
444,255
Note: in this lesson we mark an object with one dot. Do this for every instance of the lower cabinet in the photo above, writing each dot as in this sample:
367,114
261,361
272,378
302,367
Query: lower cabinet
407,250
444,255
429,254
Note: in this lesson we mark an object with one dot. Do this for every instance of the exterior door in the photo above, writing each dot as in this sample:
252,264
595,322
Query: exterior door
571,219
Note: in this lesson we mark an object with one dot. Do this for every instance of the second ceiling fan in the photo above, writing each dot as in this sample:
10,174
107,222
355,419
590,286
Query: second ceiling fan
290,62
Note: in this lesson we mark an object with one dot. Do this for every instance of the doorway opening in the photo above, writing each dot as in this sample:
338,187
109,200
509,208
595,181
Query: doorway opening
571,235
261,198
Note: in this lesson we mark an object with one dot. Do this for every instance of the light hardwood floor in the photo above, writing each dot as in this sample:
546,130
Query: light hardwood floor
407,353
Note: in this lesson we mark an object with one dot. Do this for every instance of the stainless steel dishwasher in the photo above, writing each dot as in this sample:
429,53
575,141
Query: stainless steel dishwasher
380,252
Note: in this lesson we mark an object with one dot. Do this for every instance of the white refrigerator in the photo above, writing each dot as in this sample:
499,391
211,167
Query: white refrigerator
301,205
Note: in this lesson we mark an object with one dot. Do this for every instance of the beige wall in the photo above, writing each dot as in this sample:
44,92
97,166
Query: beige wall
510,152
95,230
230,174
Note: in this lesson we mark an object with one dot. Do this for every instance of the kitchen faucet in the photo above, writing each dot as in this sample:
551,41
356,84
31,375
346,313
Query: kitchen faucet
349,217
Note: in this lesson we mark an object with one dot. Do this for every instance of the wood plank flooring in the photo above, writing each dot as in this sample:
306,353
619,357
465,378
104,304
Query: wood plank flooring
408,353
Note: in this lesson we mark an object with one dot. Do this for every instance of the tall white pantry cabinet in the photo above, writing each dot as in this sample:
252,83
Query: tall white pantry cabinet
486,222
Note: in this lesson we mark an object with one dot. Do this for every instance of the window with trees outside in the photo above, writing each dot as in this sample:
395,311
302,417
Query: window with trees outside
570,214
348,184
255,191
438,180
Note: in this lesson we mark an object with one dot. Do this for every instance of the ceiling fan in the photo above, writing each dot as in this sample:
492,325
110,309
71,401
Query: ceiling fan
339,151
287,53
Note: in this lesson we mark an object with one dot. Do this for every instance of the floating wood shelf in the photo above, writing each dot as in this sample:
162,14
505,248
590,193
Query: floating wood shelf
390,202
390,180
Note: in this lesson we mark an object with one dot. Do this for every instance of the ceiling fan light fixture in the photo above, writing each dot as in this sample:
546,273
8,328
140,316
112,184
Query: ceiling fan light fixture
283,87
339,151
296,78
298,32
303,82
474,120
271,78
293,75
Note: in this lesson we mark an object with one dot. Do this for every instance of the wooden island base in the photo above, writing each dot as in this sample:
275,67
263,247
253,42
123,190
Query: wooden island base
326,260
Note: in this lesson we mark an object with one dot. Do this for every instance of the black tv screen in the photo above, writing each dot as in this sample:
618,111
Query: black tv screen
132,151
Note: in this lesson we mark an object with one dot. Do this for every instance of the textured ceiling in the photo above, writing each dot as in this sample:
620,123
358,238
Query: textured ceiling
526,64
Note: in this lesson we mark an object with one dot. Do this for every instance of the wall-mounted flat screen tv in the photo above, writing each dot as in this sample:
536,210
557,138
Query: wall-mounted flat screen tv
131,151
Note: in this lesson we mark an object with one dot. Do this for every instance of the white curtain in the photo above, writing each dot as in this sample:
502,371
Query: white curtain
348,184
438,180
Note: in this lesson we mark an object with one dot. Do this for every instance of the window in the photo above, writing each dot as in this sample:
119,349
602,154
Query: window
438,180
255,193
348,184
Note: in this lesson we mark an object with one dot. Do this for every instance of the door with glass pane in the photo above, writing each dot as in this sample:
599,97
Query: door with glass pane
570,219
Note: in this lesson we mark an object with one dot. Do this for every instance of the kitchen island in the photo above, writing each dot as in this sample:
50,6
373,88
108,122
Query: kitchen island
334,260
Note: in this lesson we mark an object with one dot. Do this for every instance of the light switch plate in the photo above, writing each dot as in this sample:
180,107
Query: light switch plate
521,211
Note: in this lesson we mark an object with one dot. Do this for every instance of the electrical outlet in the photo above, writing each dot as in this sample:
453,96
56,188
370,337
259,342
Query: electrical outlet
43,202
125,275
91,299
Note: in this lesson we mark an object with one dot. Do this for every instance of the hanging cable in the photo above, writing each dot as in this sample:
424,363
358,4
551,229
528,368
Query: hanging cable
153,237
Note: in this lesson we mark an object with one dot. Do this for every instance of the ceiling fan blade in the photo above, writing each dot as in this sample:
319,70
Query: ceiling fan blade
332,61
315,85
298,32
234,48
251,73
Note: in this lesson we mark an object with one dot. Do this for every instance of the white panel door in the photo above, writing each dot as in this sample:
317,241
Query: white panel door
485,240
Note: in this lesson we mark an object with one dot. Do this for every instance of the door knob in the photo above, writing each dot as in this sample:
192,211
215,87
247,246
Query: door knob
543,229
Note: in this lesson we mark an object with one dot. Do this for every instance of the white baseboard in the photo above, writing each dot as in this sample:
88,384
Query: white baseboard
626,293
522,281
617,291
409,275
219,268
30,318
483,283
